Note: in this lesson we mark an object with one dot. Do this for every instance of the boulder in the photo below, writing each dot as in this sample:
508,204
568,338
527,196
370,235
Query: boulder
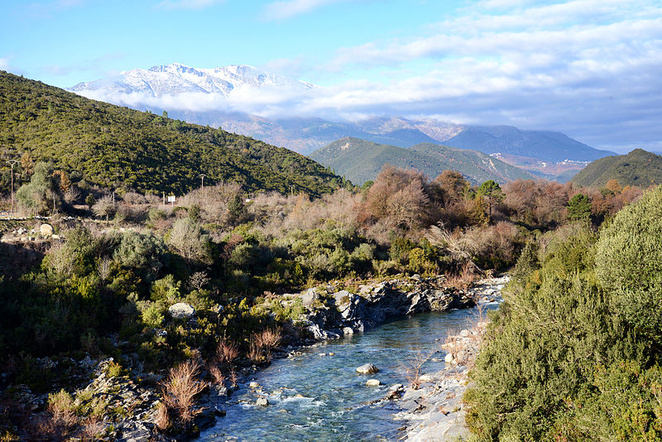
181,310
373,383
367,369
262,401
46,230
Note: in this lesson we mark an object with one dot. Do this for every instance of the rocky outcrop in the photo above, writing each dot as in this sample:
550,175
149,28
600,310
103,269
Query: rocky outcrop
333,314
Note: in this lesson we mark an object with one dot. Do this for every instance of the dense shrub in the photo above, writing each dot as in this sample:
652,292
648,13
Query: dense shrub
572,353
629,263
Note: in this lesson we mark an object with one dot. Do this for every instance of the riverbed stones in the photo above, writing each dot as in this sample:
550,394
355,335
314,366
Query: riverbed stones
253,385
262,402
373,383
367,369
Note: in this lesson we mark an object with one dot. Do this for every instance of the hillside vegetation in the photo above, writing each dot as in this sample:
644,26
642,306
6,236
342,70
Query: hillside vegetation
574,351
637,168
360,161
118,148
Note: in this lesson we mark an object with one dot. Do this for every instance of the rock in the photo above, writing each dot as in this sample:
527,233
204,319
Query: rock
348,331
395,391
262,401
367,369
46,230
181,310
135,432
206,418
425,378
449,358
253,385
465,333
373,383
309,298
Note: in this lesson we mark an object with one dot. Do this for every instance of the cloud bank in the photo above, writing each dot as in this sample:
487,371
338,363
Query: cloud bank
588,68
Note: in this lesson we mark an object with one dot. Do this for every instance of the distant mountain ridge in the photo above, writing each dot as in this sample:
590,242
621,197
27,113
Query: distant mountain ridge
166,88
543,145
360,161
637,168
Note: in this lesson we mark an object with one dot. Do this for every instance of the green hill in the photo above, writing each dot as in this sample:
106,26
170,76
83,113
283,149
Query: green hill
637,168
115,147
360,161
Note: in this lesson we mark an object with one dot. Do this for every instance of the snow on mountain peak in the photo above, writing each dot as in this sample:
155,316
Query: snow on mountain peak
174,79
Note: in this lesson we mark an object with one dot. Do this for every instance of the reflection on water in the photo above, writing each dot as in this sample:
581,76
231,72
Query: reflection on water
320,397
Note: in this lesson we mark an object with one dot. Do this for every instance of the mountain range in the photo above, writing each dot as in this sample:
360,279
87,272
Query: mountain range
175,79
205,97
361,161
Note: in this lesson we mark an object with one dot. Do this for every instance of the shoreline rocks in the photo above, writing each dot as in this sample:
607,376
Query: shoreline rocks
342,313
435,412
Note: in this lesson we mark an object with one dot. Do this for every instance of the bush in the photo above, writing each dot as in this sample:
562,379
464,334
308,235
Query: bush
544,345
177,410
629,263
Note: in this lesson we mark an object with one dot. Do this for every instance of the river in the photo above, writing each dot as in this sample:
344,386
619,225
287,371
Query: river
316,395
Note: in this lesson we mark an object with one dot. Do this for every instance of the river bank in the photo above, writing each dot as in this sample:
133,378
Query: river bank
330,315
435,411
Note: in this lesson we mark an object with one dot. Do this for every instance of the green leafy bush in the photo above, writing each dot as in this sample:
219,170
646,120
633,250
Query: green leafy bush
629,263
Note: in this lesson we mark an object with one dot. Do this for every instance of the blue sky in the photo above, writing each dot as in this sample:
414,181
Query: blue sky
588,68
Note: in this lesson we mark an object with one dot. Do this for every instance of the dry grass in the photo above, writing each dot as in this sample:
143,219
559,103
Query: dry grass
467,275
226,353
216,374
179,391
62,418
93,429
263,343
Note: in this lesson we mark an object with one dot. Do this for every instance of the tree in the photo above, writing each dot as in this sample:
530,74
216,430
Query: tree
188,238
579,207
40,194
492,193
106,206
399,197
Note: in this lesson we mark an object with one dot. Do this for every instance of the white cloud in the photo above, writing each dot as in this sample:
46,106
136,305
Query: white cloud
589,68
281,10
189,4
4,64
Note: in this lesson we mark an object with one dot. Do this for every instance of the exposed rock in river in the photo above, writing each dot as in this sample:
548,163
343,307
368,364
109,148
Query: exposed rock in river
342,313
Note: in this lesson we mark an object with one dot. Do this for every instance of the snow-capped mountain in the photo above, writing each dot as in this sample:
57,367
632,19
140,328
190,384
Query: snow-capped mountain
175,79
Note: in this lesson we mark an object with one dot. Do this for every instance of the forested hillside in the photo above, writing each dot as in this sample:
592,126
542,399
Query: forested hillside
118,148
637,168
360,161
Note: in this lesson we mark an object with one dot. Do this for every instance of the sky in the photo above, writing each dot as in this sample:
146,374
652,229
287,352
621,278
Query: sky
591,69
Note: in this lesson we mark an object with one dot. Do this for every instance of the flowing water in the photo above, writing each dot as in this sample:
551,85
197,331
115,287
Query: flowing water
317,395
